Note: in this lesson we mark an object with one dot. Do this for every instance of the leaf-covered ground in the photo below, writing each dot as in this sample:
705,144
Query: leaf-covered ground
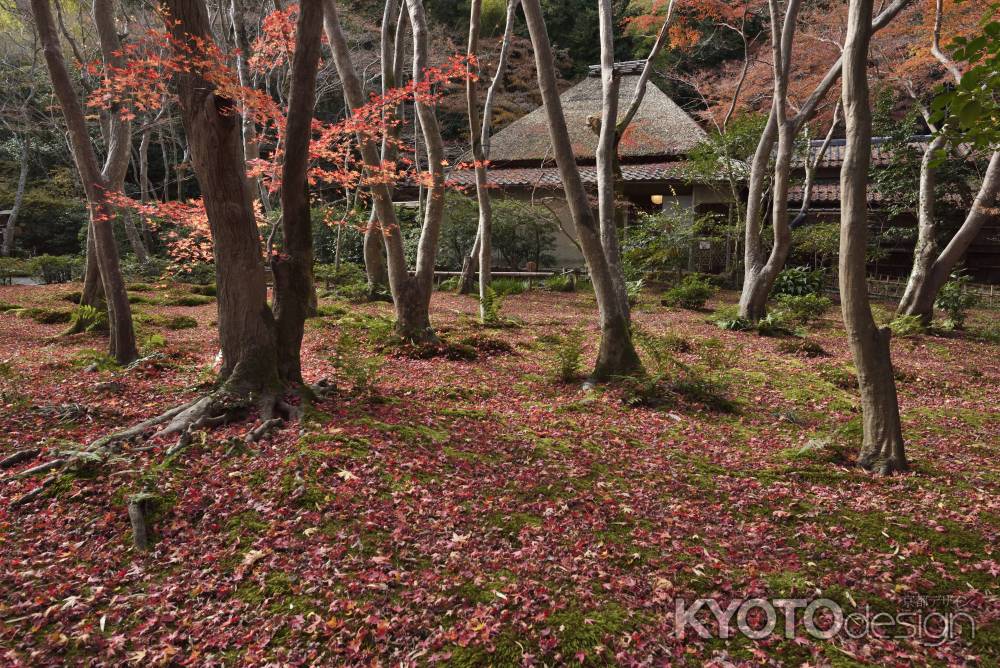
476,512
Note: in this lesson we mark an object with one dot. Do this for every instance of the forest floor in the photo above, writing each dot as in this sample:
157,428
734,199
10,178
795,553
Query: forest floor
468,509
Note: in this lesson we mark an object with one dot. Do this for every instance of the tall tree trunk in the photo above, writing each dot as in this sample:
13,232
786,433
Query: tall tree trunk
470,262
616,354
293,270
246,324
411,295
926,248
22,183
882,449
95,183
759,273
413,320
484,232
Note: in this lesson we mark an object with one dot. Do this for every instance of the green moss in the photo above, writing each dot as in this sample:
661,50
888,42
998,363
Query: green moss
186,300
354,446
46,316
469,414
415,433
180,322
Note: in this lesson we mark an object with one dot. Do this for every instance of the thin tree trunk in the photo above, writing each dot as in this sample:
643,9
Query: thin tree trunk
925,251
293,271
484,231
469,263
22,183
920,299
882,449
246,324
616,354
411,296
95,182
811,165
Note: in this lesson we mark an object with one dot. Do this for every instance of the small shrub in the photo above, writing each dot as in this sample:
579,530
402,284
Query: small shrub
797,281
776,323
728,317
7,306
450,284
956,299
57,268
93,360
490,304
151,269
154,342
905,326
691,293
569,356
633,291
357,368
560,283
200,273
803,309
504,287
86,318
180,322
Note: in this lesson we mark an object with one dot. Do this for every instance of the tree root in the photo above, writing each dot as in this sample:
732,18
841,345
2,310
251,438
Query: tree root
185,420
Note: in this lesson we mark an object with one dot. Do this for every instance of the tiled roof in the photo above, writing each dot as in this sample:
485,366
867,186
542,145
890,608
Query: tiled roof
548,177
827,193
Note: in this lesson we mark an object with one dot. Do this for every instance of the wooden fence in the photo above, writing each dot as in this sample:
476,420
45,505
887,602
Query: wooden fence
891,288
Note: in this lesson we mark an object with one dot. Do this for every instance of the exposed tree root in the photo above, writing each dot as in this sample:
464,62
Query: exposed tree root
205,412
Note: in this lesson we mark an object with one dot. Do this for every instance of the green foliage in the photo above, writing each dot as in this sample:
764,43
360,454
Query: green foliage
153,342
505,287
490,304
799,281
956,299
569,356
728,317
53,213
357,368
776,323
45,316
905,326
86,318
633,291
200,273
691,293
803,309
57,268
180,322
13,266
560,283
658,244
972,107
817,244
187,299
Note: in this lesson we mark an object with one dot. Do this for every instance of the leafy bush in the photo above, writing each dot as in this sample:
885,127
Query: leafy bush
504,287
807,347
691,293
569,356
956,299
560,283
200,273
86,318
12,266
803,309
905,326
798,281
57,268
728,317
357,368
154,342
776,323
659,244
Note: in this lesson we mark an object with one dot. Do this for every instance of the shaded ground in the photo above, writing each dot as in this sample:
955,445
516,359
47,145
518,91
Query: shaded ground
475,512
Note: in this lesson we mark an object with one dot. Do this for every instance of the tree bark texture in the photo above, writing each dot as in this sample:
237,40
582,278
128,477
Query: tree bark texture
882,449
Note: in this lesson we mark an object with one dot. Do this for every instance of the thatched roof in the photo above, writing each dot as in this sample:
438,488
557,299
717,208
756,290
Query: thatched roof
661,129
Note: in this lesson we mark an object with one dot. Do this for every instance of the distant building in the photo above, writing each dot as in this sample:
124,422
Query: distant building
652,155
982,260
